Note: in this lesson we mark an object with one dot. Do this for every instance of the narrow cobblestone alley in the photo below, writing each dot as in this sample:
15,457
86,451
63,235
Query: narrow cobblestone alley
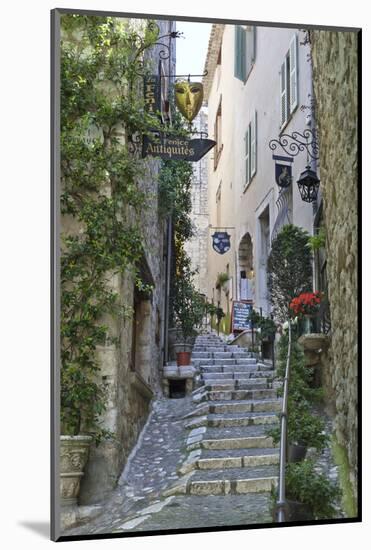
203,454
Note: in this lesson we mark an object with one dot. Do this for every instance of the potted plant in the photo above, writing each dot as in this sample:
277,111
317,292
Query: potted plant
189,308
306,307
310,492
83,400
221,280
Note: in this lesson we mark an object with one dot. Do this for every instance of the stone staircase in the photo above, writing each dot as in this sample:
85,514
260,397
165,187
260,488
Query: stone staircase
229,452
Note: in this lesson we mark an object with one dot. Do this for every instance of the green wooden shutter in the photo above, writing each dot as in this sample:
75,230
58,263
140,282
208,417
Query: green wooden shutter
283,94
253,144
247,155
293,72
240,53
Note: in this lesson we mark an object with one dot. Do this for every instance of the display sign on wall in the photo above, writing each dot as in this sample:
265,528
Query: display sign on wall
240,314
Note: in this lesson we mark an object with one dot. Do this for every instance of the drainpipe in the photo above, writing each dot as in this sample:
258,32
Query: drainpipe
167,288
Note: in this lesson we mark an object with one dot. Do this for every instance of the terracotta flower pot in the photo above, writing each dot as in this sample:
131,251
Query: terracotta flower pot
183,358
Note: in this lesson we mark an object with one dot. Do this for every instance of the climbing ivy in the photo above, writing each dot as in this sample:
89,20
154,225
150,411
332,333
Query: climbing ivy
101,199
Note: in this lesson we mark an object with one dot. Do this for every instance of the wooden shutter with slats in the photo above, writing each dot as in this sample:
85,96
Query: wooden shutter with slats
283,88
293,53
253,144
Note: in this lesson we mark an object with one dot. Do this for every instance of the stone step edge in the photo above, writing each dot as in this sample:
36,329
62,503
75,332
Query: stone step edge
194,462
259,441
222,486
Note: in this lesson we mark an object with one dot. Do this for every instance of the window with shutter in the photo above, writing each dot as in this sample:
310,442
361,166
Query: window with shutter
293,55
250,151
289,82
247,155
283,102
245,51
240,53
253,145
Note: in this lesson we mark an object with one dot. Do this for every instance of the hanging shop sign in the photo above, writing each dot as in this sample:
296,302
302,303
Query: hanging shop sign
152,94
221,242
283,170
188,98
240,316
175,148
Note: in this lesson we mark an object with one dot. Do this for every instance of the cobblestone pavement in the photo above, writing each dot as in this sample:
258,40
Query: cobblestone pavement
151,468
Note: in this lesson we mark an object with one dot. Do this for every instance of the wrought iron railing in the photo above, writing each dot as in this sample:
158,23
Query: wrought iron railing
281,501
284,213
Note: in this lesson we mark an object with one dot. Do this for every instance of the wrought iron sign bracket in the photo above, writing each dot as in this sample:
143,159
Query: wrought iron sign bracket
295,143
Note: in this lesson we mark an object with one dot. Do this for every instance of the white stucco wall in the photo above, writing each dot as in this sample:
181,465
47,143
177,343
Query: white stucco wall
261,93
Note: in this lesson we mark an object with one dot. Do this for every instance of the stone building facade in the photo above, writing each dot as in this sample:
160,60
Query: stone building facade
335,76
131,369
197,246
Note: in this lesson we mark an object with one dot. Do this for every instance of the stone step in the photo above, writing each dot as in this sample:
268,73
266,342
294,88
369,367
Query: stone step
248,374
236,384
228,368
233,375
220,355
228,443
239,459
232,481
219,349
240,419
210,361
230,385
246,406
256,430
241,394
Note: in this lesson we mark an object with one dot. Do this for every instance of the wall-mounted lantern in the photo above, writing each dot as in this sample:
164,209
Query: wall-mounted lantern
308,184
293,144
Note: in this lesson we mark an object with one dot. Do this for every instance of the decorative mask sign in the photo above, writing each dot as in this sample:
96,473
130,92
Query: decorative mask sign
221,242
188,98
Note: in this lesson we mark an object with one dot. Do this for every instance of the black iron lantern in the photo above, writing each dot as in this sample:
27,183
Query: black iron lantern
308,184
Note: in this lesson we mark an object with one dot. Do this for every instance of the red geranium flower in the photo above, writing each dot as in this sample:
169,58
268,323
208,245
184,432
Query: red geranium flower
306,303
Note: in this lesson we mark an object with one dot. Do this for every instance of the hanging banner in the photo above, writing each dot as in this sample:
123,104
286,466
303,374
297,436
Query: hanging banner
152,94
176,148
221,242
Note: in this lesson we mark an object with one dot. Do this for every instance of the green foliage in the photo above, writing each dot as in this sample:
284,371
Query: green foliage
304,484
253,317
221,279
188,304
289,269
318,241
303,427
267,328
101,200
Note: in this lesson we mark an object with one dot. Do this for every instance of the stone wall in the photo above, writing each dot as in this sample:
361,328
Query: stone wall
197,246
334,56
131,384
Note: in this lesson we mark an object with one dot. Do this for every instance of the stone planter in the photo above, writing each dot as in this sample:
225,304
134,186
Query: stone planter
314,341
74,453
